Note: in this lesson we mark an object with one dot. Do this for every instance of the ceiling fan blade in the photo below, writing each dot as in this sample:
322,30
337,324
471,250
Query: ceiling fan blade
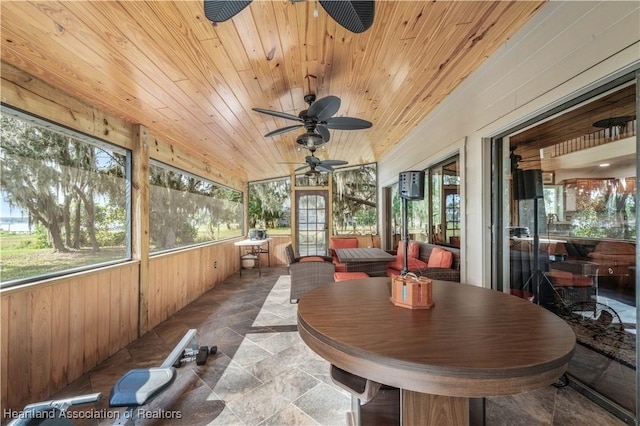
333,163
283,130
222,10
355,16
324,132
278,114
324,108
347,123
301,168
324,168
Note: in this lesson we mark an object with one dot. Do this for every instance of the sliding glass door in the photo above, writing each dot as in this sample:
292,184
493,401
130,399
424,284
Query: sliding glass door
566,232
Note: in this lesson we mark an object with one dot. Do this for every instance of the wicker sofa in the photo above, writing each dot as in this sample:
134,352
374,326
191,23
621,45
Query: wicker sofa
436,273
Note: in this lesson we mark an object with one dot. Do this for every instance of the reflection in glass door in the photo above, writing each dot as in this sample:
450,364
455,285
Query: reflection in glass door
311,222
567,197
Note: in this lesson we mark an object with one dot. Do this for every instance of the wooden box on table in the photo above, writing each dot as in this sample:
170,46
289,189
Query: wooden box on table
411,291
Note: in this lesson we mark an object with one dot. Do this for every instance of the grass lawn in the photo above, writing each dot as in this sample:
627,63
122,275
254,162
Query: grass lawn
19,257
21,260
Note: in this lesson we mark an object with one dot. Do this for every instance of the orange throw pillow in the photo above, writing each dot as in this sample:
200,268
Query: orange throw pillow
440,258
414,250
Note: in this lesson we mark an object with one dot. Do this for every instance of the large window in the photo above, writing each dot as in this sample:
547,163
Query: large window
436,218
64,200
355,200
270,205
187,210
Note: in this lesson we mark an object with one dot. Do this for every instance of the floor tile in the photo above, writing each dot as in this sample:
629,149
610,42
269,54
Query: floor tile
264,374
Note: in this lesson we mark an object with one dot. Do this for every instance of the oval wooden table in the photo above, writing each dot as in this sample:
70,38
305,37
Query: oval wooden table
474,342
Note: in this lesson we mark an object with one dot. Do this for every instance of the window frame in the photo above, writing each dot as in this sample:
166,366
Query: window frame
89,140
241,220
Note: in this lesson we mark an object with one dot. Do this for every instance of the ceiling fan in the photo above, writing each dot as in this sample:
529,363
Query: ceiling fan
317,120
316,165
356,16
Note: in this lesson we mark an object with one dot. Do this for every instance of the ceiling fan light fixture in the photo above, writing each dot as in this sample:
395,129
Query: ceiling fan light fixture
310,140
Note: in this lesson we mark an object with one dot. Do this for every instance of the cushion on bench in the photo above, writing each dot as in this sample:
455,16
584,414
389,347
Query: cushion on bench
345,276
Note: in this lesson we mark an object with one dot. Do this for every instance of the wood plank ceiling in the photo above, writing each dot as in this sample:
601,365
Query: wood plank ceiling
164,65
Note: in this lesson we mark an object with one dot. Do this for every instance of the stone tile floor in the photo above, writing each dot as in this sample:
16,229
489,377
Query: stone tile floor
264,374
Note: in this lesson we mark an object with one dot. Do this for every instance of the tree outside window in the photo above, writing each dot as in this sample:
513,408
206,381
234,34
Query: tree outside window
187,210
355,200
64,202
270,205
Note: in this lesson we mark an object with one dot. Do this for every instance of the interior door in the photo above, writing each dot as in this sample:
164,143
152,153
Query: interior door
312,213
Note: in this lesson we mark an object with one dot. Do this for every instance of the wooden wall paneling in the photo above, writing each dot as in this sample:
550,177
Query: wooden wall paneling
125,299
199,274
154,276
19,348
277,255
176,285
208,272
114,312
4,350
40,334
76,327
206,268
185,267
168,287
90,323
60,335
163,289
134,294
192,260
217,272
193,275
221,270
103,316
201,282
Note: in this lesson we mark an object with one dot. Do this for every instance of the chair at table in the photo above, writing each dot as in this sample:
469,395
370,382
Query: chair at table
306,276
575,281
362,390
293,258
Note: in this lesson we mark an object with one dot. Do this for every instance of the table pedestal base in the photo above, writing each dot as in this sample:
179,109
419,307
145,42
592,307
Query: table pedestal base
416,409
425,409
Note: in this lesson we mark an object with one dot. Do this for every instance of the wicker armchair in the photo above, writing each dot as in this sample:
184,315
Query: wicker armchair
306,276
575,281
293,258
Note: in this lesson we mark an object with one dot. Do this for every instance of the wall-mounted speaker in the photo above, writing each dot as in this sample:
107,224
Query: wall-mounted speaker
411,185
527,184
